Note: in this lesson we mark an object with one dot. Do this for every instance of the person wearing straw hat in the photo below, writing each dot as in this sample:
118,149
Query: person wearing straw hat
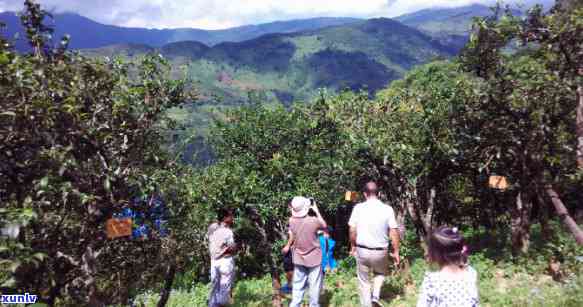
306,252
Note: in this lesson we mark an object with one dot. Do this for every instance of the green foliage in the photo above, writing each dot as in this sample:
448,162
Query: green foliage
411,137
293,67
524,120
499,285
410,243
432,139
265,156
79,139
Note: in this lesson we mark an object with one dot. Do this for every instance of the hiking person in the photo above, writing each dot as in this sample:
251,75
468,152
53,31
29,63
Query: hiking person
327,245
306,251
371,223
288,268
455,284
222,248
288,265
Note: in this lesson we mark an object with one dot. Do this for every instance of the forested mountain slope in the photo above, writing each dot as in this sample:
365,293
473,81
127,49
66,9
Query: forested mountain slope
287,67
87,33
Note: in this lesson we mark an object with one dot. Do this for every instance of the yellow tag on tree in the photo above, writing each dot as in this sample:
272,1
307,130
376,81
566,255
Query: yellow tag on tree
117,227
350,196
498,182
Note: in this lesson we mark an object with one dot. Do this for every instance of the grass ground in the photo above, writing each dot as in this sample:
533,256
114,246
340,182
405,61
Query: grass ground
500,285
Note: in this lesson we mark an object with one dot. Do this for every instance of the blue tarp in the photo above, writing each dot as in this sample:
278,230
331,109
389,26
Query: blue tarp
327,245
146,213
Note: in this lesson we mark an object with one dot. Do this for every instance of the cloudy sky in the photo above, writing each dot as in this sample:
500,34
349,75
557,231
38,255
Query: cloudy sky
218,14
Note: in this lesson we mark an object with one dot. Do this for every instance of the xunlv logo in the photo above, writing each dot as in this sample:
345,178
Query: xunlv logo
18,298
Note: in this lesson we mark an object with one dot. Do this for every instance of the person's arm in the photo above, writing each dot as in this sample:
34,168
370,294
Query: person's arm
231,246
395,243
232,249
288,245
352,240
395,236
352,230
323,223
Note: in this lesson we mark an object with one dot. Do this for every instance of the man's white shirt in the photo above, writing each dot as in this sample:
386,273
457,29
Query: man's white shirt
372,220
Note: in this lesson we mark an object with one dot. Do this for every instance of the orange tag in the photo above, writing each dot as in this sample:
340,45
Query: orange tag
350,196
118,227
498,182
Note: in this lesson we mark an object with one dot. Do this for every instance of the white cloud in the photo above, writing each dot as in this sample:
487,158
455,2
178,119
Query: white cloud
216,14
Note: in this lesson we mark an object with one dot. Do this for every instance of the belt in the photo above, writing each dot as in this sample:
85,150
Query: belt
371,248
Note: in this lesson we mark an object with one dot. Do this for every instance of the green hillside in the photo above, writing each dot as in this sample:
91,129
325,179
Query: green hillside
451,26
479,159
287,68
457,21
293,67
445,21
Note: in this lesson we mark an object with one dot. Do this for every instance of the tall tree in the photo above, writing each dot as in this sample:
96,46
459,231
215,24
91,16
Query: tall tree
79,139
409,136
266,156
532,89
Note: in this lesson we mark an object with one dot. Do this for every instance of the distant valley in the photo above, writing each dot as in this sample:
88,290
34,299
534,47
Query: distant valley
289,67
282,62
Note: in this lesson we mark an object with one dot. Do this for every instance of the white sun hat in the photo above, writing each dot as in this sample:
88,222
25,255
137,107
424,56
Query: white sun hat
300,206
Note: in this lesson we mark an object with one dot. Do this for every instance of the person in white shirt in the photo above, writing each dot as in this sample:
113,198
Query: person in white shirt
222,248
371,223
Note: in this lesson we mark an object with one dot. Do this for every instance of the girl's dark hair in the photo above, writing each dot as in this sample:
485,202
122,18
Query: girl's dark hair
446,247
222,213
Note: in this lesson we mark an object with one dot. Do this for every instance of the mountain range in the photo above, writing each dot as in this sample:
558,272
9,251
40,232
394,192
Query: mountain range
279,62
450,25
293,66
446,21
440,22
87,33
285,61
282,61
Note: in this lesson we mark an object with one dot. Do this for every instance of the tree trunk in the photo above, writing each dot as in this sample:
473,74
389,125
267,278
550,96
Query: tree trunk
266,246
580,126
341,229
422,220
579,215
564,214
411,210
520,224
275,287
415,213
401,222
88,266
543,215
167,289
427,218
